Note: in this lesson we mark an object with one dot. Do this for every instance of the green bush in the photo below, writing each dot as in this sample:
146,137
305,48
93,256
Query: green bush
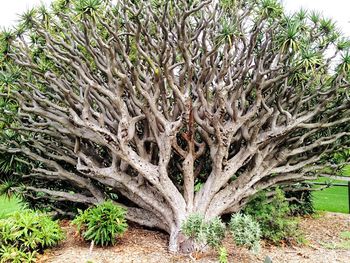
102,223
273,217
245,231
25,233
209,233
193,227
301,202
215,232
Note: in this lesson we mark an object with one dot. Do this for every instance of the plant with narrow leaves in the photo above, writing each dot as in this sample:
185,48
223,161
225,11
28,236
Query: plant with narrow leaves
102,223
270,8
194,227
87,7
215,232
273,217
208,233
10,254
24,233
245,231
29,231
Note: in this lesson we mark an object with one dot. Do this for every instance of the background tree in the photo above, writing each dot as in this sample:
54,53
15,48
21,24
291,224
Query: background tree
178,107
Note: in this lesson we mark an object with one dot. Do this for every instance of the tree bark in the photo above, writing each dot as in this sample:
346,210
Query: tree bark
177,107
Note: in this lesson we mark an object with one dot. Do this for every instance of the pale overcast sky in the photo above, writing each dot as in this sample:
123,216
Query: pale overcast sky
337,9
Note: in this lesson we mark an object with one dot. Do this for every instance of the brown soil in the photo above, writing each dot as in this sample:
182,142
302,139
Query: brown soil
140,245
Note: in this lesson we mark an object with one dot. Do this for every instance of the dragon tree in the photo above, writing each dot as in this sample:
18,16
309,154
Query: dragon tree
176,107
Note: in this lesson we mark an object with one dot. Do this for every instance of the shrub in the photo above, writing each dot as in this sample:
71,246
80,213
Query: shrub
273,217
245,231
215,232
300,200
25,233
193,227
102,223
209,233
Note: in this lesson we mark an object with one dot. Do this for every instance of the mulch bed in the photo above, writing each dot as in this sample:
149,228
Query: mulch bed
142,245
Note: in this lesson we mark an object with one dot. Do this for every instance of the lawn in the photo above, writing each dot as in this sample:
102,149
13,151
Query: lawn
8,206
333,199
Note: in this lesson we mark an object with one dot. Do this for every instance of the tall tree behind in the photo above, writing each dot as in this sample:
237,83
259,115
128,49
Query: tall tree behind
179,107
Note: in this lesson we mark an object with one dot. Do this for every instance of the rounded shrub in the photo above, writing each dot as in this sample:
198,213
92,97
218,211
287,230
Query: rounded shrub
245,231
193,227
102,224
215,232
273,217
209,233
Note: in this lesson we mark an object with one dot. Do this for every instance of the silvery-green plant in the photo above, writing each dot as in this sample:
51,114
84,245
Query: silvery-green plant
245,231
193,227
215,232
206,233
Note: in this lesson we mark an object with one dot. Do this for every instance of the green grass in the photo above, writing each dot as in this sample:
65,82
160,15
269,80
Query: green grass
340,245
333,199
345,235
344,244
8,206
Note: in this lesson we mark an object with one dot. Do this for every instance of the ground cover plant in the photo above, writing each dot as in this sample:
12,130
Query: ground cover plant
344,244
25,233
176,107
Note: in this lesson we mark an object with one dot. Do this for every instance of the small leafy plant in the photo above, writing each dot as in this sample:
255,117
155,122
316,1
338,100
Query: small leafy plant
102,223
215,232
193,227
10,254
245,231
209,233
25,233
223,255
